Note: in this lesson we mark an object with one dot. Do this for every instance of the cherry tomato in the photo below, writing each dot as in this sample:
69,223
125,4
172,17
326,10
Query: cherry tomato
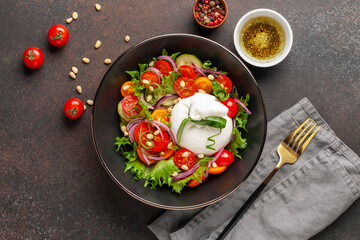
58,35
232,106
159,143
187,90
168,152
226,158
127,89
73,108
33,57
226,82
163,66
151,78
194,182
187,71
217,170
184,157
131,105
138,151
161,115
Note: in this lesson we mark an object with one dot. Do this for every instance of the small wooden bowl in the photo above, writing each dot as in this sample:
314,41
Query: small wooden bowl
222,2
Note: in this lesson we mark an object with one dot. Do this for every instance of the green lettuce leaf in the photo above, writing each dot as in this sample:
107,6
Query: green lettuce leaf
160,173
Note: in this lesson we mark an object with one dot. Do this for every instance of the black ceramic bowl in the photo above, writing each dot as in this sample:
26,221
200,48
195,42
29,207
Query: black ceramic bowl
105,122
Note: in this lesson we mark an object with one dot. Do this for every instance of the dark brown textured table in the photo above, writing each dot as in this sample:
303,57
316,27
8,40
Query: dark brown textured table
52,185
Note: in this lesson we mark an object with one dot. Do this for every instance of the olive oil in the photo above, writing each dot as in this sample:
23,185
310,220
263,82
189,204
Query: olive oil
262,38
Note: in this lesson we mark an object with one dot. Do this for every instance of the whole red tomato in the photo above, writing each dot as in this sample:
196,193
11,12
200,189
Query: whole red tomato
58,35
73,108
232,106
33,57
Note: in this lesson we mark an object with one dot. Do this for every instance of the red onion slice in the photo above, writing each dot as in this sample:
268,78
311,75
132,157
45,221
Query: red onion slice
187,173
167,129
164,98
131,131
149,106
145,157
211,161
154,70
205,70
158,128
199,70
239,102
169,59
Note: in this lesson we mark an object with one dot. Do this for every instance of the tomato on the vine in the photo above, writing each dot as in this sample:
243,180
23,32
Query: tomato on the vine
184,157
33,57
58,35
187,71
73,108
185,87
231,104
226,82
163,66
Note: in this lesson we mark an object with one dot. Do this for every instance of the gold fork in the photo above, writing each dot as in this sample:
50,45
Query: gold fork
289,151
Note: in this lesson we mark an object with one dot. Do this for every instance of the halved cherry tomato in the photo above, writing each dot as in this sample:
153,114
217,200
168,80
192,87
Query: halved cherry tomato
138,151
217,170
194,182
232,106
184,157
151,77
127,89
187,71
163,66
168,152
204,83
58,35
226,158
226,82
187,90
161,115
33,57
131,105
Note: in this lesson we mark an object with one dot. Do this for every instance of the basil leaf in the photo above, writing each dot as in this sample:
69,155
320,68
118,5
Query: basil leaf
215,122
181,129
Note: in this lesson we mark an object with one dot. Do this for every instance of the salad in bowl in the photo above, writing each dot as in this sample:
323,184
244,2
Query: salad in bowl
182,120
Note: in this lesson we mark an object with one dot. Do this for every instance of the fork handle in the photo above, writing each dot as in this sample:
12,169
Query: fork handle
241,211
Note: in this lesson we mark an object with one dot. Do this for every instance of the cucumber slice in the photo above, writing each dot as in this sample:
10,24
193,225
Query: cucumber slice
121,112
168,103
188,59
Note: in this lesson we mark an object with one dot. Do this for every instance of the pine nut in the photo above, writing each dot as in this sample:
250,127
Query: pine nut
200,155
175,101
174,174
123,128
85,107
170,145
126,87
75,70
214,165
69,20
126,134
90,102
149,144
152,63
75,15
222,85
97,7
145,81
211,77
72,75
162,153
182,84
169,110
127,38
185,154
97,44
179,99
149,136
86,60
107,61
184,167
79,89
201,91
149,98
151,88
156,132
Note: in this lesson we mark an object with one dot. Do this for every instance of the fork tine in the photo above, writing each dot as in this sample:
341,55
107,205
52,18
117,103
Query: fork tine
301,150
288,139
300,134
304,137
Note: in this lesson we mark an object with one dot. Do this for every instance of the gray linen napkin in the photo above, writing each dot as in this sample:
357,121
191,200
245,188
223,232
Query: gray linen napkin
300,201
